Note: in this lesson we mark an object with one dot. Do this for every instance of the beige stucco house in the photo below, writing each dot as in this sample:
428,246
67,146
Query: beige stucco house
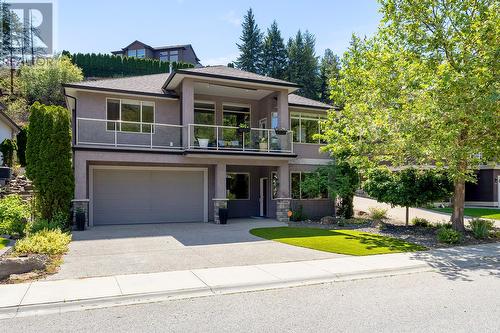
176,147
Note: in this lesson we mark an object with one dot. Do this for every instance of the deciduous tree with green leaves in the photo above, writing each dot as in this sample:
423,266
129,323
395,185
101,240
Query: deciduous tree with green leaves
250,58
423,91
43,81
408,187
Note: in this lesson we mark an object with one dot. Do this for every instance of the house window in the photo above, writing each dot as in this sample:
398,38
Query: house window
140,53
305,126
238,186
163,56
298,192
133,116
204,114
174,56
235,116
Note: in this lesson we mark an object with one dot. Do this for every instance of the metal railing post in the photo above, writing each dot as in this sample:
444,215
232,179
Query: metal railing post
116,135
217,137
268,141
151,134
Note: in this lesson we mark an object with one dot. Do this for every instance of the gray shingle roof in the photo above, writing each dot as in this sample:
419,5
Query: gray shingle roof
145,84
303,101
233,73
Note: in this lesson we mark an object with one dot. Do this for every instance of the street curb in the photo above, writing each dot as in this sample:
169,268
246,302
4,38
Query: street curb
141,298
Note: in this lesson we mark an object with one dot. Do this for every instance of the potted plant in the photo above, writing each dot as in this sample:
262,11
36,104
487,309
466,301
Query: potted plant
263,144
203,143
280,131
80,219
243,128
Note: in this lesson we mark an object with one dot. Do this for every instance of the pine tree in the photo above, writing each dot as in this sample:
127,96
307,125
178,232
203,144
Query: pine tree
274,56
250,57
329,70
303,64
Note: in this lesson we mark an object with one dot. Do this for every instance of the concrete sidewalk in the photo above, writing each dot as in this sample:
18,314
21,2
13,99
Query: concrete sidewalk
43,297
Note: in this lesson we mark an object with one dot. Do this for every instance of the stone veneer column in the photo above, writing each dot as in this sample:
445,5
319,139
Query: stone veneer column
283,200
220,200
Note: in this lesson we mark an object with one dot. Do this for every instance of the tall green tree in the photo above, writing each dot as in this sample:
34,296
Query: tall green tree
250,58
303,67
329,69
423,90
48,157
274,56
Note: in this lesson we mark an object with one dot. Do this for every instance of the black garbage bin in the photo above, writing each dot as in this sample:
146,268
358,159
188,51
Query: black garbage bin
223,215
80,220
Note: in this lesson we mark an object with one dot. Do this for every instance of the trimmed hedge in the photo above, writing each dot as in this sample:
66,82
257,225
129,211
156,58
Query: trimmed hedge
105,65
48,157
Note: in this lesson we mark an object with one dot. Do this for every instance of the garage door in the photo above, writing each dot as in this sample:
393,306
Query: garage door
131,196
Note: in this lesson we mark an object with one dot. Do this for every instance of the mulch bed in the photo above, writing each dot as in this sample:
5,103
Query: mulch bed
413,234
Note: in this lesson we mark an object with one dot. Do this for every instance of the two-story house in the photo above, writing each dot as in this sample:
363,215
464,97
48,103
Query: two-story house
173,53
176,147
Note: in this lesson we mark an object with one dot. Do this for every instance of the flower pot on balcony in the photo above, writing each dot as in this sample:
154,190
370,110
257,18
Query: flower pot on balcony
203,143
280,131
263,146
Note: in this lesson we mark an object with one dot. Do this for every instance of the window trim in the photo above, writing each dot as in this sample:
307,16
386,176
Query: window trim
120,116
249,184
300,187
309,116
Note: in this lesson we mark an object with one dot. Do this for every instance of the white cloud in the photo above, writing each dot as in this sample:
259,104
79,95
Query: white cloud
223,60
232,18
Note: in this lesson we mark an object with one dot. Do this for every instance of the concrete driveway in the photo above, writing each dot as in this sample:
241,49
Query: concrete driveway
127,249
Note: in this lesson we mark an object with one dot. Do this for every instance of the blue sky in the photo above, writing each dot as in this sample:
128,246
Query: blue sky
213,27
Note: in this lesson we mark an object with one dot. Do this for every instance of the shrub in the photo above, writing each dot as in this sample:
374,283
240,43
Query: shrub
481,228
421,222
48,157
59,221
44,242
448,235
378,213
14,214
7,148
298,215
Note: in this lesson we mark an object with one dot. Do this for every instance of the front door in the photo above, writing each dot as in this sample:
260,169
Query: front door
263,197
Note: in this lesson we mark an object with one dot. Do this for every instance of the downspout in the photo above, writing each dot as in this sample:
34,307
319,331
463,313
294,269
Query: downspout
73,118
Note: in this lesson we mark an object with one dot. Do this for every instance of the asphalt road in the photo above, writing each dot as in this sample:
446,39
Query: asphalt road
423,302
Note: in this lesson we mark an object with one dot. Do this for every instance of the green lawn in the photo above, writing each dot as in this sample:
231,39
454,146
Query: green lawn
350,242
3,242
475,212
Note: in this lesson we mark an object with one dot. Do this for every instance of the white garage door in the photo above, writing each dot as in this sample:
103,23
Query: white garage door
132,196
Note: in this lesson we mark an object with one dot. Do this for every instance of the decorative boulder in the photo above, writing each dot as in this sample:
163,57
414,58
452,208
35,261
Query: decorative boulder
327,220
20,265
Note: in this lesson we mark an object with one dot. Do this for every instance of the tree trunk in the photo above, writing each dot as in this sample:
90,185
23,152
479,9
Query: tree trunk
407,215
457,217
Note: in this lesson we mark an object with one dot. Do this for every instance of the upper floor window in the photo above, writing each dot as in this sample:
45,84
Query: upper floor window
169,56
140,53
131,115
305,126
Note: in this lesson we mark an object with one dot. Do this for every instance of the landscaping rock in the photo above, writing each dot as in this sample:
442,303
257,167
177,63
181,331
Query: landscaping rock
20,265
327,220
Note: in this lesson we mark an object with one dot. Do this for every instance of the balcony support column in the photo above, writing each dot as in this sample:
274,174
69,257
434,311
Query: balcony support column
283,200
283,114
187,97
220,200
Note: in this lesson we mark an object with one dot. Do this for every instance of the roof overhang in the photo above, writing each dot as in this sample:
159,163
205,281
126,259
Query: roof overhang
308,107
176,78
70,88
7,120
